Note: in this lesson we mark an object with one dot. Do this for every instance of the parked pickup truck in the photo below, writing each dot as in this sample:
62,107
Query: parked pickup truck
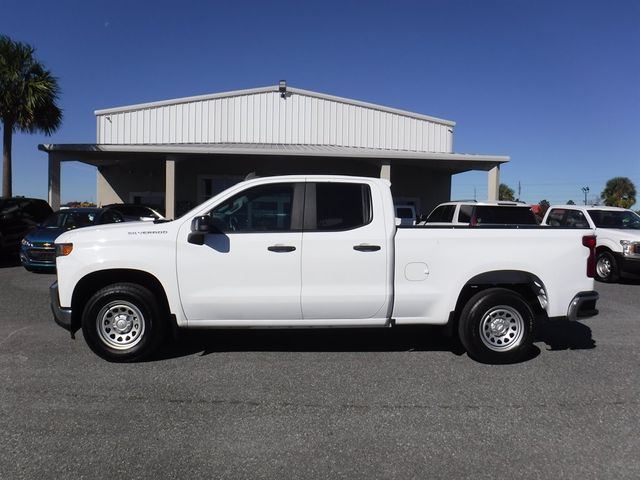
480,214
617,231
316,251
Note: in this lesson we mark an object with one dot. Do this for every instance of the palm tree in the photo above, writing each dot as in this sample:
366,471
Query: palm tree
619,192
505,192
28,94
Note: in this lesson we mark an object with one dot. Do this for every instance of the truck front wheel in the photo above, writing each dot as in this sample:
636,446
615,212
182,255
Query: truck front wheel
607,267
496,326
123,323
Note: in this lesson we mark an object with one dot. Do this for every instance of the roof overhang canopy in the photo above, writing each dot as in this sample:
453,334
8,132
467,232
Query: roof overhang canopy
101,154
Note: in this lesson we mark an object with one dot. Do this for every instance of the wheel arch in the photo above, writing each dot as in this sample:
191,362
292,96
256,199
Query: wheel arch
603,248
94,281
528,285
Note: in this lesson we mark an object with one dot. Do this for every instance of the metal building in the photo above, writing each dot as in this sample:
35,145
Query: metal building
177,153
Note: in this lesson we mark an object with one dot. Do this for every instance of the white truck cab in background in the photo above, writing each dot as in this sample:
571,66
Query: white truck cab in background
316,251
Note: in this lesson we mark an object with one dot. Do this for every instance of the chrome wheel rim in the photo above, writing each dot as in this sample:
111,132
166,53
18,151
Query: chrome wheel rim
603,266
501,328
120,325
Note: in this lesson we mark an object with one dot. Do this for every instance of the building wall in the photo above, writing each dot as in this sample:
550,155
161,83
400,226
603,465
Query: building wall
191,173
422,187
429,187
266,117
116,183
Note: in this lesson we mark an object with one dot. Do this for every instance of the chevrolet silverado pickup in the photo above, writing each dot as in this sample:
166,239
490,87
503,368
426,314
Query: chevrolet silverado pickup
316,251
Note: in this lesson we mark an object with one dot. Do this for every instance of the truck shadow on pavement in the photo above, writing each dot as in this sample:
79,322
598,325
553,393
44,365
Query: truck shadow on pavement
565,335
405,339
556,335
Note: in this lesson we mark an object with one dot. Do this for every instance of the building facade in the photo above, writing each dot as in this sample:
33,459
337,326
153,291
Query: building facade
175,154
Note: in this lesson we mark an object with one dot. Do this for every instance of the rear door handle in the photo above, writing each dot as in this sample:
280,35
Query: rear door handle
366,248
281,248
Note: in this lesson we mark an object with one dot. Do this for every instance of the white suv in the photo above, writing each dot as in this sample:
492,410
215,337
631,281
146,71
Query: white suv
617,231
472,213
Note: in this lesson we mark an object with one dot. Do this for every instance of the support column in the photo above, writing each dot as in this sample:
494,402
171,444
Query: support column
170,188
54,182
385,171
493,186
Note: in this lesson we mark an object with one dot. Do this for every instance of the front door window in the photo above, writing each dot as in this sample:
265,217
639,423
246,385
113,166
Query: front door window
266,208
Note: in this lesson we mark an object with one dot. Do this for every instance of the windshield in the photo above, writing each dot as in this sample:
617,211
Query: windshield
615,219
8,206
68,220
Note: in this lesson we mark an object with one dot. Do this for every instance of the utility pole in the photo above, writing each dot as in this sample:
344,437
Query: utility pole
585,190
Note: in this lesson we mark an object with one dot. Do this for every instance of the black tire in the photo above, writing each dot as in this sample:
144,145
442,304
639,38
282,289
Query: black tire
497,326
607,267
123,322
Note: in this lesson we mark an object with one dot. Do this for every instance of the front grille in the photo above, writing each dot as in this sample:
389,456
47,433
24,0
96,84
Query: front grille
42,255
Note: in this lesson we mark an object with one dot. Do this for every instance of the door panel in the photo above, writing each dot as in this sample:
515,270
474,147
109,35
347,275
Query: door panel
250,268
345,253
236,277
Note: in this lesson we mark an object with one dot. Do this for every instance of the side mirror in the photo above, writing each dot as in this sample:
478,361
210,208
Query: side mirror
199,227
201,224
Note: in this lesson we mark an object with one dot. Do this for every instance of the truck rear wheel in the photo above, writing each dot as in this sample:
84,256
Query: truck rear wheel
496,326
123,323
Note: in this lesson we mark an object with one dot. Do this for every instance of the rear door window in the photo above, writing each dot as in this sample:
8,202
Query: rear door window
500,215
338,206
464,215
575,219
444,214
556,217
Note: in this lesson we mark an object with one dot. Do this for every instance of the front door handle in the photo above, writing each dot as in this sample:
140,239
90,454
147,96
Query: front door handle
366,248
281,248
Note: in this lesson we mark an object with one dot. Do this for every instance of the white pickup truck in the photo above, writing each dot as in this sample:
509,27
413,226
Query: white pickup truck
617,231
316,251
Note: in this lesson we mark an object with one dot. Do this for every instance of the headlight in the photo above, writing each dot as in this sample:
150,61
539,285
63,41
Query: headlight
26,243
630,248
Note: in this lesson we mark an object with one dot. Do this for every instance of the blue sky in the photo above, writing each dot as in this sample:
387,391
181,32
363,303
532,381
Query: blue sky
553,84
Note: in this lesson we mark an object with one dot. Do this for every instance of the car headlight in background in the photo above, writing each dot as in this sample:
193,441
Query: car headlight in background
630,248
26,243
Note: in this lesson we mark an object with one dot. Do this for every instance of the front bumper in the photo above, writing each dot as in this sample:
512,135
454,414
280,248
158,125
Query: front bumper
629,264
62,316
583,305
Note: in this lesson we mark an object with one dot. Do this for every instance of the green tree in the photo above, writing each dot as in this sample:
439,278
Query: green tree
544,206
28,95
505,192
619,192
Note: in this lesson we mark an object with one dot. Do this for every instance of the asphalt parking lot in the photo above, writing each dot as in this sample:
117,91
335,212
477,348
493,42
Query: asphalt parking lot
318,404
